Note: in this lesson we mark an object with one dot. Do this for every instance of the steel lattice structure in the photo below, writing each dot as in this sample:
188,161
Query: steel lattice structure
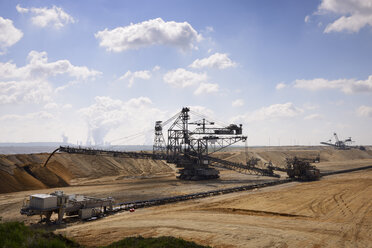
189,149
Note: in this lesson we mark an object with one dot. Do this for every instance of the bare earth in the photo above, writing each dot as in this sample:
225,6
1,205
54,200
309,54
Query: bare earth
333,212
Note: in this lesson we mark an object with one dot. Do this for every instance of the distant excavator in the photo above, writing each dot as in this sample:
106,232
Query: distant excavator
342,144
299,169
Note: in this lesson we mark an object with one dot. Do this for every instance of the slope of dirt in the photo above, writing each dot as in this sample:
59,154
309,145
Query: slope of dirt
26,171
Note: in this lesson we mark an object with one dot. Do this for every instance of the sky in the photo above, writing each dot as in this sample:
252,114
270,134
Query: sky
100,72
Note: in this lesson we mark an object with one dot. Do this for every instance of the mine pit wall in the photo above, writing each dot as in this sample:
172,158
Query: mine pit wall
21,172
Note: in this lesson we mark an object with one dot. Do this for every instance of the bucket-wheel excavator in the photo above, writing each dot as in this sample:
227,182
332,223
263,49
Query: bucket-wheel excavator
191,141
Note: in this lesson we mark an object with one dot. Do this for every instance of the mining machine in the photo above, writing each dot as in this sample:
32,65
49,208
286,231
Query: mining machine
300,169
190,144
342,144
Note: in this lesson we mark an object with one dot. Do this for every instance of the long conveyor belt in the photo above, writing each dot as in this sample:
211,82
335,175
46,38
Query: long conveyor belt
172,199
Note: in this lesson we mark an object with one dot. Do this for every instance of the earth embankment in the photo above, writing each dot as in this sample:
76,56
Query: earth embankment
21,172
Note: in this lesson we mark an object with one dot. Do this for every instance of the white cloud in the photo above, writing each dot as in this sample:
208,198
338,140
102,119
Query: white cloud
108,114
355,14
237,103
280,86
206,88
39,67
156,68
313,117
217,60
348,86
25,92
9,35
183,78
30,84
365,111
21,10
131,76
148,33
44,17
307,19
275,111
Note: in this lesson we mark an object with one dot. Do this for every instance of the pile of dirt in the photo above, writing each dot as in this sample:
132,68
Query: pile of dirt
20,172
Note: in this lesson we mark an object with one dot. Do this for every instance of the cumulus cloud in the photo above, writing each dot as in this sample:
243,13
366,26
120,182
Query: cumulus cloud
9,35
131,76
25,92
30,84
348,86
275,111
148,33
43,17
217,60
183,78
237,103
39,67
365,111
106,114
280,86
206,88
355,14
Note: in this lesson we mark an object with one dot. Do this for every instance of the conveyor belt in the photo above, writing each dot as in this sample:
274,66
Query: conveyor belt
161,201
346,171
239,167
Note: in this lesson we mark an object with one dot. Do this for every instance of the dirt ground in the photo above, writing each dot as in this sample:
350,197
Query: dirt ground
333,212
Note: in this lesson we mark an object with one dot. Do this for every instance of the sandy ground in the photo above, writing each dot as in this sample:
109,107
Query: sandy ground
333,212
125,189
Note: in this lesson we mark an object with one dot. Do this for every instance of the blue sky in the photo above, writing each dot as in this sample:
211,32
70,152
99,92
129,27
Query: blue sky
292,72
